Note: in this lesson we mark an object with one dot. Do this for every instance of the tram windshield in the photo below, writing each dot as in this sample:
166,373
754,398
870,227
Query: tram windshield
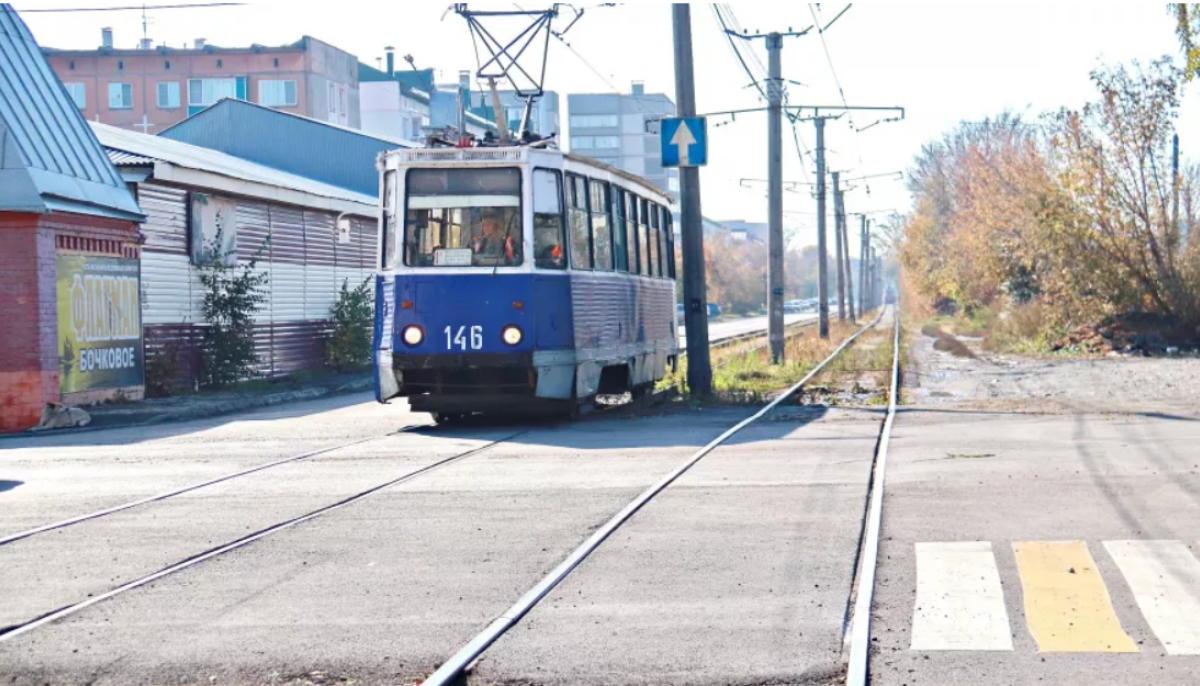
463,218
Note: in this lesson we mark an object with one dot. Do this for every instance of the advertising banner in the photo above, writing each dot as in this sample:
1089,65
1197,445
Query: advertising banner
99,322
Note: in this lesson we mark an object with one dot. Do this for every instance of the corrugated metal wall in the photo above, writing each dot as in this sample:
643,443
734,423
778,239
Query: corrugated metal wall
295,247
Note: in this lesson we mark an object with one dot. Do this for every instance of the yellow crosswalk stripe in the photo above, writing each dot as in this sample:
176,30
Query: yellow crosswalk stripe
1067,606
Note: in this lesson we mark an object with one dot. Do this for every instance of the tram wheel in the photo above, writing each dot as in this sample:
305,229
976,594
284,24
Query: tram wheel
443,418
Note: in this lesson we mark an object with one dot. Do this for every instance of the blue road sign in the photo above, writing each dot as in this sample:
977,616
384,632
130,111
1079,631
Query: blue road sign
684,142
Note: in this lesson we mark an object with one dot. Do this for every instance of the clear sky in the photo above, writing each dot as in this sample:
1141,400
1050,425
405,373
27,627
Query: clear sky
943,62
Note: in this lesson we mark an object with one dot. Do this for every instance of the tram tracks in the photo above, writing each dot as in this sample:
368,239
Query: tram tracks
494,630
15,630
456,667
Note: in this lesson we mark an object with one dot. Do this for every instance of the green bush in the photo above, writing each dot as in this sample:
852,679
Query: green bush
349,346
232,296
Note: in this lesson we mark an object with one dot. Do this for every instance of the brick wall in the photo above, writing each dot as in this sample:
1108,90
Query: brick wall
28,303
25,383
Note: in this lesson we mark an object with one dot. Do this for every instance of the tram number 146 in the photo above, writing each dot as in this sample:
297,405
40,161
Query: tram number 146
462,337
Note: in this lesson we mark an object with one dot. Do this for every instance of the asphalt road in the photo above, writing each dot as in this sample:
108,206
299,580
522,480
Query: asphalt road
742,552
1024,544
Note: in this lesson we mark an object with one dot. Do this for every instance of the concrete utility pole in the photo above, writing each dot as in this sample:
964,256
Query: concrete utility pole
775,196
841,250
695,292
822,267
849,270
863,265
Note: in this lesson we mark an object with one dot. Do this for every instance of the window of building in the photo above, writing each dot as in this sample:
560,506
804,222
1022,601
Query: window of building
602,242
631,233
620,251
577,215
277,93
583,142
593,121
342,101
168,95
332,99
548,238
78,93
204,92
120,96
606,142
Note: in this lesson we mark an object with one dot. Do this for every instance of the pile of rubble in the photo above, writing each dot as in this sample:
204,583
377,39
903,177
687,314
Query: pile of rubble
1138,335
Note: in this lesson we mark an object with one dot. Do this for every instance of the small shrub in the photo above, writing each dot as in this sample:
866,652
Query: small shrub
349,346
232,296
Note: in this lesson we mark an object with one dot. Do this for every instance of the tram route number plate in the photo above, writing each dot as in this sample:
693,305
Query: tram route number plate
452,257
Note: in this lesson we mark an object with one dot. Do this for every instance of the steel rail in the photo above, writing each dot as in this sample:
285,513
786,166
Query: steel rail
11,632
860,626
456,666
5,540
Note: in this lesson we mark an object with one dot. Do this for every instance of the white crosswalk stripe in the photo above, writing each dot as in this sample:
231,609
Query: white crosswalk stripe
960,603
1165,579
1066,608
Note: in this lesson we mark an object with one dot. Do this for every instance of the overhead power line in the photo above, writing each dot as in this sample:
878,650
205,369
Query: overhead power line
127,8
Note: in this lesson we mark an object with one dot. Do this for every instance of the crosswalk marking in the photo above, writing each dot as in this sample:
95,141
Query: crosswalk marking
1165,579
960,603
1067,607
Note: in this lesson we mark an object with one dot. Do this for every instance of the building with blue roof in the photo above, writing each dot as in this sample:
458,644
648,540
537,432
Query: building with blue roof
316,150
69,247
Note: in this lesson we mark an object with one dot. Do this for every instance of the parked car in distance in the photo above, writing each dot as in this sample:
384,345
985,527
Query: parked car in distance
714,310
679,309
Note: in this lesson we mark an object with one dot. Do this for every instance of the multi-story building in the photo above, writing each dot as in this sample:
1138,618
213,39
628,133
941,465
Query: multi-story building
395,103
543,118
149,88
622,130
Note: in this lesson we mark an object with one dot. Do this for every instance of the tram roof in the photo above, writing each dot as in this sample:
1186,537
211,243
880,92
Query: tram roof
518,154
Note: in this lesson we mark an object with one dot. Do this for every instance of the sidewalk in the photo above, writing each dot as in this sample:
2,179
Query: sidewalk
202,405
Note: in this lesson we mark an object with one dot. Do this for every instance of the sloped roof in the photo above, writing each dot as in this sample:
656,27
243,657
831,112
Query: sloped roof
414,84
133,148
288,142
49,158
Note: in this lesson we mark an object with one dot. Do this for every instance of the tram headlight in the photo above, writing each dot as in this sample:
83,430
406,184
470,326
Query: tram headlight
413,335
511,335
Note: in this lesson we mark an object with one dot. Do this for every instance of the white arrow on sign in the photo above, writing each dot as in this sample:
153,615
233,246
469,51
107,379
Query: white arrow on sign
682,139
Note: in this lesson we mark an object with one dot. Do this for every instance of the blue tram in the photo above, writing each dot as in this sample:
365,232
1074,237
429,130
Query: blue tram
519,280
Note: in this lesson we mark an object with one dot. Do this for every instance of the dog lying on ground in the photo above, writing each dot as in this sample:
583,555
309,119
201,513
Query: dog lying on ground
59,416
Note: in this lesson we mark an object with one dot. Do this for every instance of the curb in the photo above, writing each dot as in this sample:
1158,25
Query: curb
230,406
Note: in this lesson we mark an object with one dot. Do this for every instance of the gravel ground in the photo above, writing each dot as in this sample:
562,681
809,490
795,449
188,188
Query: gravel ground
1049,385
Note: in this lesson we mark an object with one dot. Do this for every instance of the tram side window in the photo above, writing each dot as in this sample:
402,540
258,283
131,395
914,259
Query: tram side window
631,231
391,256
548,239
581,248
620,255
602,251
655,251
647,257
669,223
664,242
